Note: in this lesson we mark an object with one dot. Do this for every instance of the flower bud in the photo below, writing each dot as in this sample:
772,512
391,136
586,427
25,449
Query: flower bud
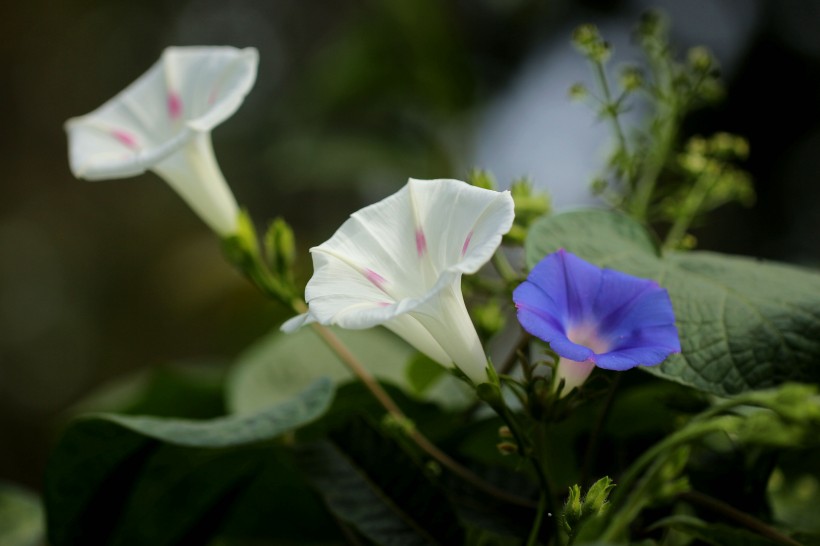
589,42
507,448
578,92
585,36
596,498
280,248
481,179
700,59
631,78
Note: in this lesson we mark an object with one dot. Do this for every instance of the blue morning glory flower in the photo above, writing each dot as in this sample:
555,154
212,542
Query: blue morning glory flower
595,317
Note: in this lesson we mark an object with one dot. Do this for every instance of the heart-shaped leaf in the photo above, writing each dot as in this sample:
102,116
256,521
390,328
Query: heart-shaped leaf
744,323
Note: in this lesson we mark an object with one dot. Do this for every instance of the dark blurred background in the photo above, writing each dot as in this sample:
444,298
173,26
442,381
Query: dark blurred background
100,280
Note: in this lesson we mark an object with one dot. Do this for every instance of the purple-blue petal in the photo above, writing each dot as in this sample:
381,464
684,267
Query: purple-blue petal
633,316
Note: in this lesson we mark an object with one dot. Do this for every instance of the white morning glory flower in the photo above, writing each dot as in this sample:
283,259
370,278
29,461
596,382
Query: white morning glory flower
398,263
162,122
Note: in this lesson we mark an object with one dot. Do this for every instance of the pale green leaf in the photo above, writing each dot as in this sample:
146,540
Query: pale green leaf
21,517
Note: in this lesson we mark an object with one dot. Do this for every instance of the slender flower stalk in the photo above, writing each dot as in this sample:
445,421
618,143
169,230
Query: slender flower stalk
595,317
399,263
162,122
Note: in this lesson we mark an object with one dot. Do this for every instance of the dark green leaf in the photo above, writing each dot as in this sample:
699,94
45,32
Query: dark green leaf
744,324
116,479
232,430
192,389
369,482
714,533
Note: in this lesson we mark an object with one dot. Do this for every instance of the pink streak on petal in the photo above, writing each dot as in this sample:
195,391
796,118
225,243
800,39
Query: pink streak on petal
421,243
466,243
375,278
125,138
174,105
384,304
212,97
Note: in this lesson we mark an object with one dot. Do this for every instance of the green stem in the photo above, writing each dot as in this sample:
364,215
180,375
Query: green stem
653,166
592,446
632,502
747,520
689,209
637,502
539,517
353,364
692,432
504,268
610,106
668,118
525,449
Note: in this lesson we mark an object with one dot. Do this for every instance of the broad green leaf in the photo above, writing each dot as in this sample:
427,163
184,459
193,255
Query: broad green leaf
369,482
422,372
233,430
192,388
21,517
122,480
744,324
279,365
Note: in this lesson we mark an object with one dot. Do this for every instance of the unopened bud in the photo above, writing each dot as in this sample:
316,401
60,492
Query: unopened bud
529,204
596,498
481,179
573,510
507,448
700,59
588,40
280,247
578,92
504,432
729,145
397,425
651,24
599,186
631,78
585,36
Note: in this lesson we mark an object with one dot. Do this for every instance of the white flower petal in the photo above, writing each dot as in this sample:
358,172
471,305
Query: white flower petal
161,122
474,220
399,263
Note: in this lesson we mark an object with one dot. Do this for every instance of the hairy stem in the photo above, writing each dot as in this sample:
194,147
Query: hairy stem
353,364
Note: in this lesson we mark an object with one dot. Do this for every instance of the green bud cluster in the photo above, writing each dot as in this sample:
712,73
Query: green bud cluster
631,78
707,178
529,206
700,59
578,92
589,42
271,271
578,509
280,248
481,179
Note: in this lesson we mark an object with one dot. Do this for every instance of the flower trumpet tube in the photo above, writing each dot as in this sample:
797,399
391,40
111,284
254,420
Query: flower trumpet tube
399,262
162,122
595,317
